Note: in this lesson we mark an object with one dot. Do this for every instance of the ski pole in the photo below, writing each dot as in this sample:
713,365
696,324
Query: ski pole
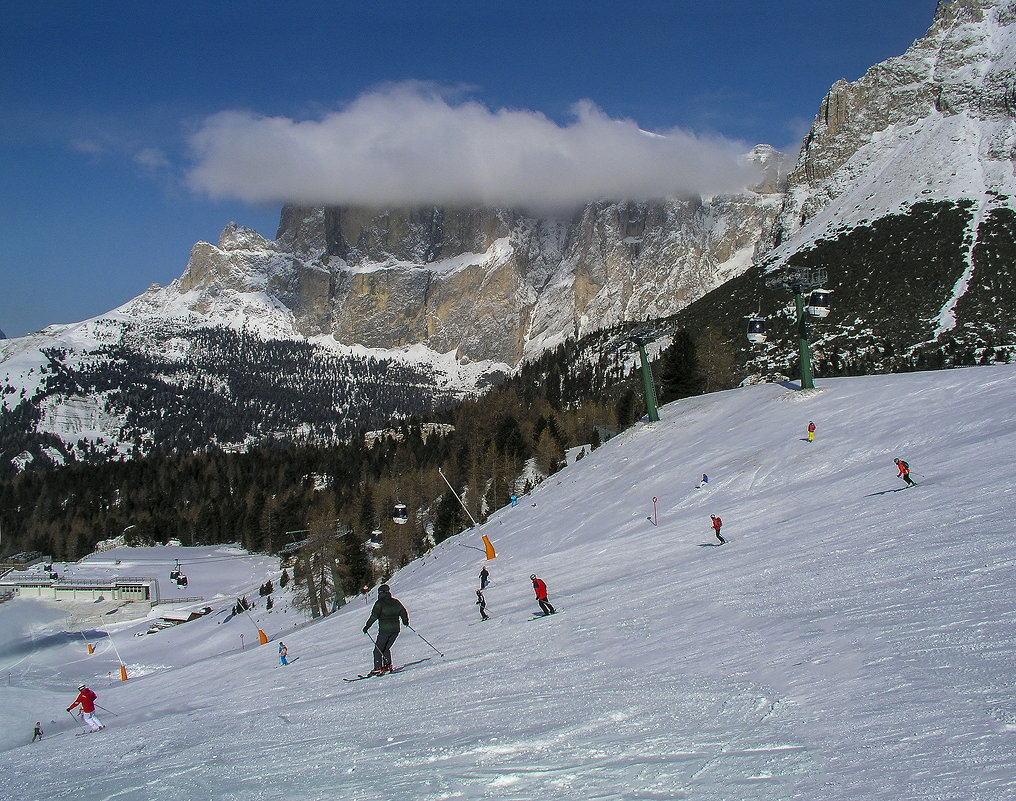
424,639
82,725
107,710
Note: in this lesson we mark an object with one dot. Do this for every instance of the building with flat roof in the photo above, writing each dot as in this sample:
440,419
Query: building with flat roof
123,588
21,561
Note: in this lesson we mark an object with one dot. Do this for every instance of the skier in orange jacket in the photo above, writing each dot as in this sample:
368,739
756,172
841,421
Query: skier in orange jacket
904,472
717,522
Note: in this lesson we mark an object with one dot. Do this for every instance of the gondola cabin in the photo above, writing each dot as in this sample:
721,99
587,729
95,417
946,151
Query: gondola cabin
818,302
181,580
400,514
375,543
756,330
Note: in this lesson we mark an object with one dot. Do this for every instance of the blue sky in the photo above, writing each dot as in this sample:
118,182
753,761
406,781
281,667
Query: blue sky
130,131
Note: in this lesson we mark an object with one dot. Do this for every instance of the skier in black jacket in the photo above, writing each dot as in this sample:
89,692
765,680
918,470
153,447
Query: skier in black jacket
387,611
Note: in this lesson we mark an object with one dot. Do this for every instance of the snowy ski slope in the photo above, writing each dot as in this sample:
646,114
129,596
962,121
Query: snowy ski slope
850,642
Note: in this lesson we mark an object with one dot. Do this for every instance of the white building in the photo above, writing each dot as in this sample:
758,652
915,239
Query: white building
144,589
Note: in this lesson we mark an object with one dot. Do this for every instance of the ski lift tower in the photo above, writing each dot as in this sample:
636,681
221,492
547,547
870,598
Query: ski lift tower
801,283
647,381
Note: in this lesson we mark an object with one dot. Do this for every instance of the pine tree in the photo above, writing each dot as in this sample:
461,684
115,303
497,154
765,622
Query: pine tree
680,375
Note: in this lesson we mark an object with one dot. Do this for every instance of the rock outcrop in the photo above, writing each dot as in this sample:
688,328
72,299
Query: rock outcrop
489,284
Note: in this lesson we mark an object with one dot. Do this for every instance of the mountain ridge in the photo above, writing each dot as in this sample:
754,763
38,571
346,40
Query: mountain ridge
488,288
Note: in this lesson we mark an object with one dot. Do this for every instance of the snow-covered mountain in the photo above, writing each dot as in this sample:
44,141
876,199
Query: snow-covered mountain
905,196
934,124
368,315
903,192
853,639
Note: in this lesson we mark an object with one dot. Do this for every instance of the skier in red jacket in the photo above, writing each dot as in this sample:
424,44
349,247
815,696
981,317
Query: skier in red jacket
87,700
541,595
811,431
904,472
717,522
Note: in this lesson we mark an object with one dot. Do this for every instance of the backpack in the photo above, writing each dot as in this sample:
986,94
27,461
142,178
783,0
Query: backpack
904,465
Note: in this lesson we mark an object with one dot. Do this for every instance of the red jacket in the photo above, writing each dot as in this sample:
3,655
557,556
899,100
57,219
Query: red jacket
717,523
87,700
811,426
541,589
904,468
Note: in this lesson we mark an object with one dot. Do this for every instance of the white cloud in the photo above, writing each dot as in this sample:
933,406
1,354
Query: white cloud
409,144
151,158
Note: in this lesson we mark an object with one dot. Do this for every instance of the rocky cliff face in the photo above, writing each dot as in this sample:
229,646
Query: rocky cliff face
904,192
912,127
489,284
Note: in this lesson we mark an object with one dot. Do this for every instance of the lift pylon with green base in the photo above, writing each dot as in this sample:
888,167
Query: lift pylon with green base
647,382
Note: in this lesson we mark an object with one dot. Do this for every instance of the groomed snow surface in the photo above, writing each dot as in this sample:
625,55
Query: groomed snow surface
850,642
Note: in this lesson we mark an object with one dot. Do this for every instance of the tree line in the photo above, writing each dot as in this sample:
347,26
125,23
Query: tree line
333,499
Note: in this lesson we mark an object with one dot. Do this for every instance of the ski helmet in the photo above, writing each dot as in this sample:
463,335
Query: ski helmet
81,687
896,460
533,577
384,589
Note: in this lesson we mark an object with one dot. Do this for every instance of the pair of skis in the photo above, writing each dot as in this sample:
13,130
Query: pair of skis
363,676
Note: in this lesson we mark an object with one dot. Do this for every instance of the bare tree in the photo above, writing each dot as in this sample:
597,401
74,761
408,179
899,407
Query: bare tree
319,574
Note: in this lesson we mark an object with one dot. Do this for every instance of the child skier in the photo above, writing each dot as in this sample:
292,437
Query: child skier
904,472
283,650
717,522
811,431
482,603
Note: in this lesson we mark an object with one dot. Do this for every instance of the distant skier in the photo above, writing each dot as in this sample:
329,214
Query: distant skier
811,431
484,578
387,611
87,700
283,650
37,734
717,523
541,595
703,482
904,472
482,603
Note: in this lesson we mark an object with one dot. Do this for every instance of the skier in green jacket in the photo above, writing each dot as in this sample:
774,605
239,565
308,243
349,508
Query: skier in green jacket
387,611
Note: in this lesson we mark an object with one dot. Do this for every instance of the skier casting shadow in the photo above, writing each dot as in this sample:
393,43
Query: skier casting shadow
717,523
904,472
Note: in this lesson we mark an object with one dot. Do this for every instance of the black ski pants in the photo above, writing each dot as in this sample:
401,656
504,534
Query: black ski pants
546,606
383,649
